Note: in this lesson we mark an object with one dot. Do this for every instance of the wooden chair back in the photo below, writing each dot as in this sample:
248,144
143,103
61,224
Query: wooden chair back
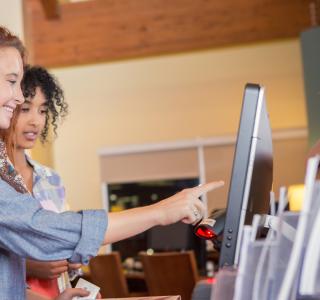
170,273
107,273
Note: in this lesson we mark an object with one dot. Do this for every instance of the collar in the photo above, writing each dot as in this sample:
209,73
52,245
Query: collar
39,171
8,173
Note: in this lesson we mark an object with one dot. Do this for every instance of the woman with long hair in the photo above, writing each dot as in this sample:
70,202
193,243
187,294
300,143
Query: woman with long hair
29,231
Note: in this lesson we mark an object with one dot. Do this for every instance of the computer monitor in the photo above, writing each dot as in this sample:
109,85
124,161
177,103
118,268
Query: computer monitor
252,173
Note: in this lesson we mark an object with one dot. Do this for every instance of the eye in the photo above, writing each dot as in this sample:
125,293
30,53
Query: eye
12,82
43,111
25,109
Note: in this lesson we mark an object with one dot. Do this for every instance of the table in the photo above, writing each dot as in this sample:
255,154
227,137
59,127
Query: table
177,297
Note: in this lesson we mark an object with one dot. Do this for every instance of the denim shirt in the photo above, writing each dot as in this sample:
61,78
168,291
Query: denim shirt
29,231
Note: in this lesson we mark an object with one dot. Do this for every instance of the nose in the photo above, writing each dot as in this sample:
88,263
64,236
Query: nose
18,96
34,118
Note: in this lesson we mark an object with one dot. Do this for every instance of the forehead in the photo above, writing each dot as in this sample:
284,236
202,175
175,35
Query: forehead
10,61
38,99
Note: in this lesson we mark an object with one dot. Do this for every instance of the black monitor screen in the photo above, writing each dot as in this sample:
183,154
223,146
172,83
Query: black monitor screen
175,237
252,172
171,237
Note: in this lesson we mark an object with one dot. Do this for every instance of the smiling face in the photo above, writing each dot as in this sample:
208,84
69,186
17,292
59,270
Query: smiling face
11,72
31,121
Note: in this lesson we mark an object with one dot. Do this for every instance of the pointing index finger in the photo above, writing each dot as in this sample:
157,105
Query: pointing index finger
207,187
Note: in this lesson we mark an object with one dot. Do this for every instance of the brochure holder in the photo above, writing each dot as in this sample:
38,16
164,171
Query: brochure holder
252,251
289,287
286,264
224,285
279,258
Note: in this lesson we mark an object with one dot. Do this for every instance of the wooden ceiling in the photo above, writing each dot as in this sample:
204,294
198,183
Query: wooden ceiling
51,9
103,30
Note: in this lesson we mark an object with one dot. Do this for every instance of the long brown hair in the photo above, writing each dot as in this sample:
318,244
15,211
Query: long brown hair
7,39
7,172
8,135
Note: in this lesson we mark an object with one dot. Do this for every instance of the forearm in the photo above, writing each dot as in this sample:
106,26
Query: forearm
130,222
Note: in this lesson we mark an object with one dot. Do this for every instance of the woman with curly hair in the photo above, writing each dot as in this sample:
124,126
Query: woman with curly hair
37,79
38,82
43,108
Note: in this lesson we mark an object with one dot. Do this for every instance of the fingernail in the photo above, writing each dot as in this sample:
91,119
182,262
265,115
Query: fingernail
220,182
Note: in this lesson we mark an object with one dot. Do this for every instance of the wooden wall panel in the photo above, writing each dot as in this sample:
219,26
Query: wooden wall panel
103,30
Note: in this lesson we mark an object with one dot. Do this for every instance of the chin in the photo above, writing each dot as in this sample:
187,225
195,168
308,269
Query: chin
26,145
4,124
29,146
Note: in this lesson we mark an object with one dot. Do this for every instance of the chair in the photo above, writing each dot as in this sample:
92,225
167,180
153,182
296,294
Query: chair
170,273
106,272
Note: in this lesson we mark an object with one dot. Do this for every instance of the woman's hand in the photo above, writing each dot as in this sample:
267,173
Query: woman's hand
184,206
46,270
68,294
73,266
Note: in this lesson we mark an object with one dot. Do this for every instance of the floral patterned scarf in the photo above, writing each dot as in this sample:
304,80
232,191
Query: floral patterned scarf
8,173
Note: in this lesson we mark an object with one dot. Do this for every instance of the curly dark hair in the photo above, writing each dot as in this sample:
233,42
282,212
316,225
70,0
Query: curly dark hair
36,76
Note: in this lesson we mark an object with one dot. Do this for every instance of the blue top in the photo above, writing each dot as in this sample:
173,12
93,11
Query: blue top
48,187
29,231
49,190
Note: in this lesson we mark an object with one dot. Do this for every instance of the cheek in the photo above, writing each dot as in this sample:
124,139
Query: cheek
42,123
18,129
5,93
21,123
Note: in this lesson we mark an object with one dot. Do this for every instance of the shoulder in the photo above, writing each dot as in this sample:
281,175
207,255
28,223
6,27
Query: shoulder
4,186
45,172
47,185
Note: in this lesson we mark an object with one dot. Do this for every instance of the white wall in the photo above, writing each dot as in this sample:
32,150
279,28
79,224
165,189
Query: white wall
11,16
168,98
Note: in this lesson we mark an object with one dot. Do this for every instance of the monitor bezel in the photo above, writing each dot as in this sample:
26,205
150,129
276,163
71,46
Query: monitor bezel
241,175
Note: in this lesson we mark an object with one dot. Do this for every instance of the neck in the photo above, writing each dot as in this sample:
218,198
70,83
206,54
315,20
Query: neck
20,160
23,168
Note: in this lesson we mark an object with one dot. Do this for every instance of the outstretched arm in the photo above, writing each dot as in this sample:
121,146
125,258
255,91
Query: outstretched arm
184,206
32,232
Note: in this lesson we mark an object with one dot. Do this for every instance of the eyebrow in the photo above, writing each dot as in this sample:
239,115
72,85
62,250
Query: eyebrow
12,74
27,101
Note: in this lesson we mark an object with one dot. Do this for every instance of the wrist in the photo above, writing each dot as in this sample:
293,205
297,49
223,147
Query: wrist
158,213
152,214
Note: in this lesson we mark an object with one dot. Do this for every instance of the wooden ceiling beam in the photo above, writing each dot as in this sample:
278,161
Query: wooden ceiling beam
51,9
104,30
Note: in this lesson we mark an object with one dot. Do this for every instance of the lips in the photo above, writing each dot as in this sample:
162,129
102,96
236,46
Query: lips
9,109
30,135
